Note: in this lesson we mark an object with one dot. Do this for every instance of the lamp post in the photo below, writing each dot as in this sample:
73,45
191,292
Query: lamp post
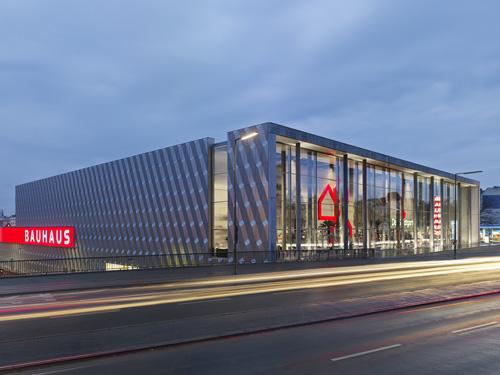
455,221
235,222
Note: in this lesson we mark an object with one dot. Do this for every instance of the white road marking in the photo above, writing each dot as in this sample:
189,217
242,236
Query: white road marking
474,327
365,352
205,300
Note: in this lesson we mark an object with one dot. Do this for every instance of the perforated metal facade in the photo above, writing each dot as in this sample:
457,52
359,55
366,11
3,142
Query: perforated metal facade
156,202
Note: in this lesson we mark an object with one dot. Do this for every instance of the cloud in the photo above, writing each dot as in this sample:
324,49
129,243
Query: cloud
83,82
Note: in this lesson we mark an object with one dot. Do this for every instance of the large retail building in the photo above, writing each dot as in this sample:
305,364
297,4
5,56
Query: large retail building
294,190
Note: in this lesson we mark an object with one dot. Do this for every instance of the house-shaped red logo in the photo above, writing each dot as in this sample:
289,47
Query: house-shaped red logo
332,192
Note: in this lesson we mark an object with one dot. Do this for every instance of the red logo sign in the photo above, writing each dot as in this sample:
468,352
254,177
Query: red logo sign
39,236
332,192
437,216
333,195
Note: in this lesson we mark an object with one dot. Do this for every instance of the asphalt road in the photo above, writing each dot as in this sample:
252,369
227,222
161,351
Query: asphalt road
44,305
52,325
452,338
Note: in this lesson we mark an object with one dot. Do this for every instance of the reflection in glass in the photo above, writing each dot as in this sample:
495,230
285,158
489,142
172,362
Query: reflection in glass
423,213
219,201
400,205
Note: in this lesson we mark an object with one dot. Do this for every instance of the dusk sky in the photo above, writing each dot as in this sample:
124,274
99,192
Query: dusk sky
85,82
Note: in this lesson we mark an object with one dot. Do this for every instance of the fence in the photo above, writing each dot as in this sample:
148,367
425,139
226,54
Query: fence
100,264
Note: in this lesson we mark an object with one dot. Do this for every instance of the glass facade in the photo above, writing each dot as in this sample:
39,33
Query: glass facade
219,199
355,204
395,210
448,215
464,216
423,213
408,212
384,202
329,193
308,199
313,212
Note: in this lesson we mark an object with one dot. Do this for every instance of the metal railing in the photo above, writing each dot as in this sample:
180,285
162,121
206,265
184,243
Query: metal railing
135,262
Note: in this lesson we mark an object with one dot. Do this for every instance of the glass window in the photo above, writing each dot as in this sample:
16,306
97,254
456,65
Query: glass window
384,204
220,215
220,187
355,204
220,242
475,216
326,166
220,199
401,207
423,213
307,163
329,233
464,216
407,212
280,161
220,159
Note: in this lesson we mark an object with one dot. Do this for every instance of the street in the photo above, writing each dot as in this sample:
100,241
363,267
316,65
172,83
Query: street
67,325
450,338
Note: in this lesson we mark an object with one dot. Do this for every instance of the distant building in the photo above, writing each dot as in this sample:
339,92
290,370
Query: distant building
490,198
7,221
490,206
490,233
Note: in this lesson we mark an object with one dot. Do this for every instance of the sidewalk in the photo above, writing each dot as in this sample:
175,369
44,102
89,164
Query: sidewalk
79,281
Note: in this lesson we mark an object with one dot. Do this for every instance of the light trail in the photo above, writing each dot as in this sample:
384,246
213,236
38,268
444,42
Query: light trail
317,272
289,285
230,287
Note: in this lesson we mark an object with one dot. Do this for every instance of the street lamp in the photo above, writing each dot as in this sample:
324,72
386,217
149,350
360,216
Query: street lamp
235,225
455,221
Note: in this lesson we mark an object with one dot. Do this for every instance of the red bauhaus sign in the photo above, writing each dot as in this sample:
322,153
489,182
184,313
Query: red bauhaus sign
39,236
437,216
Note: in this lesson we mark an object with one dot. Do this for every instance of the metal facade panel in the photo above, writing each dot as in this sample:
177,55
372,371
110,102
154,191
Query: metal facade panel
253,192
156,202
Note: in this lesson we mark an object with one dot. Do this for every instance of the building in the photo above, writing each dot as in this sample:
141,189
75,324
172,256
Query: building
7,220
294,191
490,198
490,206
490,234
